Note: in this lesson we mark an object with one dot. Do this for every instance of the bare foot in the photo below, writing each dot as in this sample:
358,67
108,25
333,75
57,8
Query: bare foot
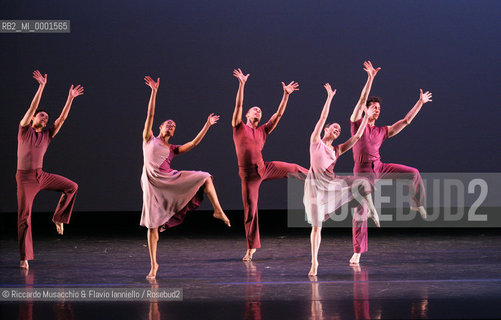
313,270
153,272
59,227
374,216
355,258
248,255
313,278
221,216
421,210
24,264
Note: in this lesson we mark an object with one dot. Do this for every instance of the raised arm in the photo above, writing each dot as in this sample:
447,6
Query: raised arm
288,89
239,100
359,108
399,125
42,81
315,135
72,94
211,120
351,142
148,124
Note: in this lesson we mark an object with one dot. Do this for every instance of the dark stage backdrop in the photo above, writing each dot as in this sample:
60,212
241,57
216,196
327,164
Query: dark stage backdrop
451,48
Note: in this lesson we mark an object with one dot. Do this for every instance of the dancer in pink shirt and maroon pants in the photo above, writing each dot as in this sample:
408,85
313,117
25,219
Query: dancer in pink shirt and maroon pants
33,140
249,141
368,161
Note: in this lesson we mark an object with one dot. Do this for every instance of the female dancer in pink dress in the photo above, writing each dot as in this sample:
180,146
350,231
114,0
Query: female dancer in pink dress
323,191
167,193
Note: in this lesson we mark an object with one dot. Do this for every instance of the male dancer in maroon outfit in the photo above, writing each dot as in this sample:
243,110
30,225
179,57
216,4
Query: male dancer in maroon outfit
368,161
33,141
249,141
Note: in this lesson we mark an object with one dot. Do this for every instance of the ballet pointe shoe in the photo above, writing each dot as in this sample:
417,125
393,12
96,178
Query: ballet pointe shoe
421,210
24,264
59,227
249,254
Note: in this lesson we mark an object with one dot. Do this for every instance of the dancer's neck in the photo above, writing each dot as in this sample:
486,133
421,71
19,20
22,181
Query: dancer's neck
328,142
37,129
165,139
252,124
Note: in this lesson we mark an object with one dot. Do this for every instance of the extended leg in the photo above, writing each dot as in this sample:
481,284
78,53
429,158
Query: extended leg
152,247
278,170
210,190
416,187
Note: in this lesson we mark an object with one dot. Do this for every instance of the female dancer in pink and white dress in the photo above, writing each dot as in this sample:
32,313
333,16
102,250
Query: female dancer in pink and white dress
167,193
323,191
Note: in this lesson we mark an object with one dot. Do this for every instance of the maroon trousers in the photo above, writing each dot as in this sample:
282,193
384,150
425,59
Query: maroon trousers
374,171
251,178
29,183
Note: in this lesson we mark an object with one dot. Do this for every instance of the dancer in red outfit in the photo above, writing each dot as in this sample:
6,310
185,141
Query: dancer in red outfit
33,140
368,161
249,141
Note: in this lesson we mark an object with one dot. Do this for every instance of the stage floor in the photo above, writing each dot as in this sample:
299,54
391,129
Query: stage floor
402,276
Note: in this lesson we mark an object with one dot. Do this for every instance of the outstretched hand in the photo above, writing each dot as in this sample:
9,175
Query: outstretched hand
328,88
151,83
76,91
240,75
371,72
212,119
424,97
291,87
42,80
